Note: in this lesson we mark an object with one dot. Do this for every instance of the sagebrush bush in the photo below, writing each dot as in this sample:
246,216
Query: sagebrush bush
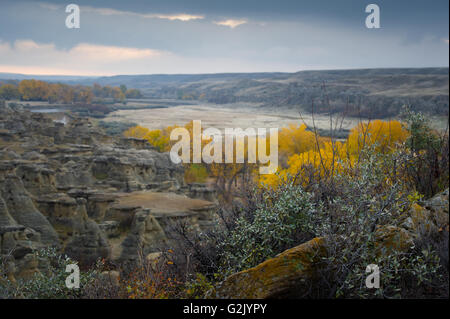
361,205
49,283
424,162
349,207
281,220
348,210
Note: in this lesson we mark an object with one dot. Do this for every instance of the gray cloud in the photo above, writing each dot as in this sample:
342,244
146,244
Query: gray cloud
143,37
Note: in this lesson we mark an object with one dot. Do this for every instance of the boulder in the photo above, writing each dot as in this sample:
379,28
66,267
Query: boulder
429,219
285,276
389,238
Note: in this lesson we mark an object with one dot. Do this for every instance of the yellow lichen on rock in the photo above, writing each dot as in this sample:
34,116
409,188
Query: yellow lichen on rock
286,275
389,238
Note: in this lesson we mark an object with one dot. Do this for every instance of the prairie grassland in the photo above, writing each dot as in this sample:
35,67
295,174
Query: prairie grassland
222,117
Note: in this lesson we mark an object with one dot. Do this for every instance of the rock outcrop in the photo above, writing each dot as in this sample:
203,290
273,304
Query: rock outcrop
20,207
70,186
287,275
290,273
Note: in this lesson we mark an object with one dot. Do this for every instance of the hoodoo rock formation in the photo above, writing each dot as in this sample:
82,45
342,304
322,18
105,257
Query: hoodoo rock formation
73,187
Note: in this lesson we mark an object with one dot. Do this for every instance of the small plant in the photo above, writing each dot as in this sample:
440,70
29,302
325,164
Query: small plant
197,288
280,221
424,163
50,283
195,173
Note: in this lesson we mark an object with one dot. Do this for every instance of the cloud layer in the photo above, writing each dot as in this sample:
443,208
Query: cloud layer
136,38
231,23
83,59
112,12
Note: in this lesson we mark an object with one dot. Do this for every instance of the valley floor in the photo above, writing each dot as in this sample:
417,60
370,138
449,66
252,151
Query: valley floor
222,116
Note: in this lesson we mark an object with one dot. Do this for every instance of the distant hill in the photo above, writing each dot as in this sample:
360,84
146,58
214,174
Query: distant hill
363,92
359,92
51,78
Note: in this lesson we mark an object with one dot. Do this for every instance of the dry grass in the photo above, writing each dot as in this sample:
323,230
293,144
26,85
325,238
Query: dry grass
232,115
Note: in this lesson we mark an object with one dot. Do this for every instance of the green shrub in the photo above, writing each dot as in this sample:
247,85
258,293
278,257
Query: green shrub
424,164
352,212
197,288
50,283
195,173
281,220
346,210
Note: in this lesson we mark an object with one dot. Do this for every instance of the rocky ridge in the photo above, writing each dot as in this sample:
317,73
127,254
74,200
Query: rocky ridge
90,195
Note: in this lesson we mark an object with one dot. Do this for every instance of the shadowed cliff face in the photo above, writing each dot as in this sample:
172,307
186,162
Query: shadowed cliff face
91,195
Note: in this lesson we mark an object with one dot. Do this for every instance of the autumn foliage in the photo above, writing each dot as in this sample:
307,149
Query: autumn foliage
35,90
327,156
300,150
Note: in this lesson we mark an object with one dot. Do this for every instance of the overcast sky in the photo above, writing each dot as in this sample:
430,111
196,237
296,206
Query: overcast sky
210,36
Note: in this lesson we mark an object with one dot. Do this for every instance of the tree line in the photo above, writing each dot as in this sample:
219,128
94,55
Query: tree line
299,150
35,90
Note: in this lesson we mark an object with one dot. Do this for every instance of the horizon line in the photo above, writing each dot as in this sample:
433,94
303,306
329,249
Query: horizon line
215,73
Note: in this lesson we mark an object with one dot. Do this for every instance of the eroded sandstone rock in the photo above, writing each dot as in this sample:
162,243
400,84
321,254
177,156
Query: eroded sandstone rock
22,209
145,236
61,185
286,275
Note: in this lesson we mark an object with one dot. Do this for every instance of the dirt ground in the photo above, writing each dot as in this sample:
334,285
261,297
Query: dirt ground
161,203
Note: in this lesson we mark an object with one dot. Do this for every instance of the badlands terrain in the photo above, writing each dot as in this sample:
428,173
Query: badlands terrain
91,195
